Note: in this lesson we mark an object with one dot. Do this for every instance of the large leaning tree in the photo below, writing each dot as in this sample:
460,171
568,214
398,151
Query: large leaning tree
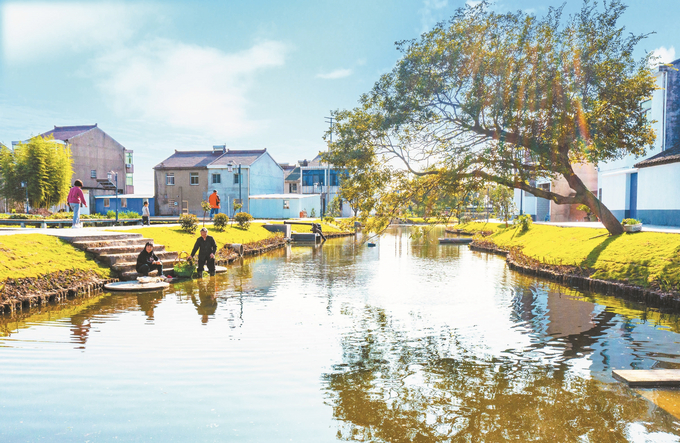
504,98
43,165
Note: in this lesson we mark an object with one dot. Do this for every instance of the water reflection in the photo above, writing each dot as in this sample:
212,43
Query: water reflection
394,387
407,341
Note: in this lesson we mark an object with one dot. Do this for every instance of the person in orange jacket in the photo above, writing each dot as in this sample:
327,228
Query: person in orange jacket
214,201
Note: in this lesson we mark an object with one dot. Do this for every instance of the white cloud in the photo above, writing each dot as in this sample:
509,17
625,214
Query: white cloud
428,16
185,86
333,75
35,32
666,55
473,3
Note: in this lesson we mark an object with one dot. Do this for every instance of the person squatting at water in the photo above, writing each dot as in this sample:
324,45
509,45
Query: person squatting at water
206,247
148,263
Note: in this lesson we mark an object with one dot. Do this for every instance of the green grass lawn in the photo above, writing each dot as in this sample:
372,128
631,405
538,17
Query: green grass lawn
175,239
643,258
30,255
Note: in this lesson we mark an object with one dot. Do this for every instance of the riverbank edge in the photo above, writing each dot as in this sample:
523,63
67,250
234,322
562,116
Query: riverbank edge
35,300
649,297
89,289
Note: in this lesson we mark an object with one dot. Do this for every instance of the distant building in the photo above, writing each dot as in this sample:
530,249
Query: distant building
186,178
648,188
124,203
283,206
320,178
542,209
95,155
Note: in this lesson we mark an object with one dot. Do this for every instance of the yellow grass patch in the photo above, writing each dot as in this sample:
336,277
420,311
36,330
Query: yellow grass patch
30,255
643,258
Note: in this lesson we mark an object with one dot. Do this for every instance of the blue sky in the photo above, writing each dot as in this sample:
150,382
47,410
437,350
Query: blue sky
188,75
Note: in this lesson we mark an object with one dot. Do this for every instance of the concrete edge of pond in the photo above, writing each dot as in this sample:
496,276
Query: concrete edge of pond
12,306
648,378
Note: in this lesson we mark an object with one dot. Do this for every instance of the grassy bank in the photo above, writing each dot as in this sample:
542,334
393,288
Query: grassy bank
647,259
175,239
31,255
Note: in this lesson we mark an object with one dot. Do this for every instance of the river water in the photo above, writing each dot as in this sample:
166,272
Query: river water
408,341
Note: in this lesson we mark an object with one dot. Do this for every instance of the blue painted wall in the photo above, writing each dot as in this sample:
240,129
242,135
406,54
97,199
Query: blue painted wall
267,176
133,204
264,176
273,207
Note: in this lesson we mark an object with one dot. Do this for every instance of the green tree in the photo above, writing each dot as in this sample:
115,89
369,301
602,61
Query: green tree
44,165
502,202
508,98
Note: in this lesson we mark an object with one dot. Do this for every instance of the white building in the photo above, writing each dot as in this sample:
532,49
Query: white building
648,188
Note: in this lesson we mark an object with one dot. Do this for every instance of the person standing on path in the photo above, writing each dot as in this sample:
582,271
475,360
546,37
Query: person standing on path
75,200
214,201
145,214
206,247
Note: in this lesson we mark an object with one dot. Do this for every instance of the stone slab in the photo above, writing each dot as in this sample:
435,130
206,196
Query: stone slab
648,377
136,286
455,240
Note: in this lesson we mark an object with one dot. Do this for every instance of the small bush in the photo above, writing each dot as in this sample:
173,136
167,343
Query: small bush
524,222
188,222
630,221
220,221
243,219
313,213
110,214
129,214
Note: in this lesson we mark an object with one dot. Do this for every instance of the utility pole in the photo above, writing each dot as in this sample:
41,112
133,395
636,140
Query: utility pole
329,120
240,180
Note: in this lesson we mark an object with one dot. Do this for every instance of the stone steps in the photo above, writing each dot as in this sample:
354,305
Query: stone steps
114,259
120,251
124,249
138,242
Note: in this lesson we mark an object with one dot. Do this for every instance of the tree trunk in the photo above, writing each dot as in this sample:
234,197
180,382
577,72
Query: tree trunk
584,196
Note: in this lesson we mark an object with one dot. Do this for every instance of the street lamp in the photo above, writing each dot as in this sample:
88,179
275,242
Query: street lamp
240,180
115,175
25,186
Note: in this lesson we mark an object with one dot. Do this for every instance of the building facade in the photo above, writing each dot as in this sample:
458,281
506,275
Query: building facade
98,160
648,188
186,178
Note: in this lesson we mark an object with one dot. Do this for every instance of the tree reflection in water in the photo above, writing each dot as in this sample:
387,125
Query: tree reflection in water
395,388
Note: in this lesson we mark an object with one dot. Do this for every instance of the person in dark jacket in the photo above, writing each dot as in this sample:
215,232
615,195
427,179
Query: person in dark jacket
148,262
206,247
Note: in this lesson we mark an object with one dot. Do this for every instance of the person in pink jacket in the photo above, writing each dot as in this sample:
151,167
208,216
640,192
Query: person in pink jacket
76,199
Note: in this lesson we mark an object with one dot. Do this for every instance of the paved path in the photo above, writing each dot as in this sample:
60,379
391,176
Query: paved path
598,225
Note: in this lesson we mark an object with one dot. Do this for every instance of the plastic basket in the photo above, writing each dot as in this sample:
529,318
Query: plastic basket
181,266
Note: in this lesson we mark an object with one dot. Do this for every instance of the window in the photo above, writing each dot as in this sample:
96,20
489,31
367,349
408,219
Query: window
286,204
93,173
216,178
107,203
170,179
293,187
236,178
123,202
128,179
646,107
311,177
128,158
193,178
